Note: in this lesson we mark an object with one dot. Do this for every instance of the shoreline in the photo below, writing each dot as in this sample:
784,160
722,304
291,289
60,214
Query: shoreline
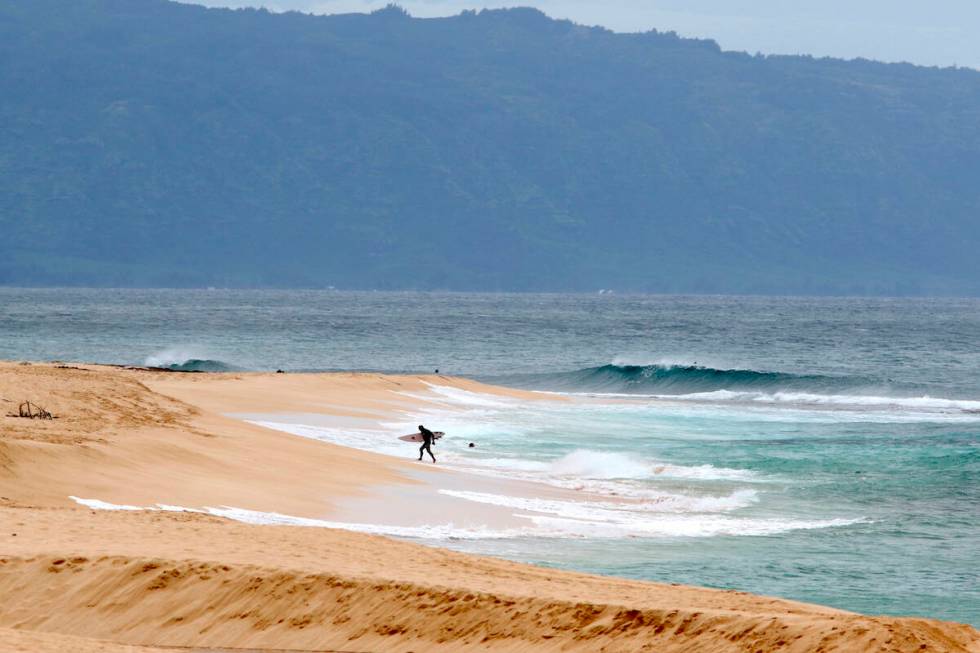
141,438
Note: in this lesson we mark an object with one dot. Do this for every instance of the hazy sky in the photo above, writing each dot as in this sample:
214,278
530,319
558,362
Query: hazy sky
940,32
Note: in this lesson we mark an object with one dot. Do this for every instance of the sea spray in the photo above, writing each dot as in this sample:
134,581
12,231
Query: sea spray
584,463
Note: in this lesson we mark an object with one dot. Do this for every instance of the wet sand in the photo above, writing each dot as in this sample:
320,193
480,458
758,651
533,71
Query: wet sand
92,580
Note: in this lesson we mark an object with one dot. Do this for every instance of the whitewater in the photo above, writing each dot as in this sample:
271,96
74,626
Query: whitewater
820,449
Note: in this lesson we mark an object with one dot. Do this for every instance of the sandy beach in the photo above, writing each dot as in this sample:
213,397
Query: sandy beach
83,579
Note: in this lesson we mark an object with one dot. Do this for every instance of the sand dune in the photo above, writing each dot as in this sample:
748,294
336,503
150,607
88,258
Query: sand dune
191,580
159,579
118,440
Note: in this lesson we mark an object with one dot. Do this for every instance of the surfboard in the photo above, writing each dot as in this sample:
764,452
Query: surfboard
417,437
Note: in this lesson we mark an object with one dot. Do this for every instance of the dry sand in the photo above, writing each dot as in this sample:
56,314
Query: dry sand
74,579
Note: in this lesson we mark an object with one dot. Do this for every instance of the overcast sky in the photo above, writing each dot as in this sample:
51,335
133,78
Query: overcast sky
939,32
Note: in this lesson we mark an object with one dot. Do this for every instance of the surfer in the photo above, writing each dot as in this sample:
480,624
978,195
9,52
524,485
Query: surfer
428,437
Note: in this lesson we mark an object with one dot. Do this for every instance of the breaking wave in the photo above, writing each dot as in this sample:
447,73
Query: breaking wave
711,384
181,360
688,379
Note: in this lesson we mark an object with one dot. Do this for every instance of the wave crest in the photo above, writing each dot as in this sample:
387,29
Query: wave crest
686,379
183,360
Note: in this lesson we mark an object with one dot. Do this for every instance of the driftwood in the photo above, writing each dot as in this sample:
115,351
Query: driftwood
33,411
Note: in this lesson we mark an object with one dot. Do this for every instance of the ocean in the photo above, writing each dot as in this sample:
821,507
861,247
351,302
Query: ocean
826,450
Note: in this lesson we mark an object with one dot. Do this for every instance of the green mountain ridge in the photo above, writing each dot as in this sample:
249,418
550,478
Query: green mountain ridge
149,143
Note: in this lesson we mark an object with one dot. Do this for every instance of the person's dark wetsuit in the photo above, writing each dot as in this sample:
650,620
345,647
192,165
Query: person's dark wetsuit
427,439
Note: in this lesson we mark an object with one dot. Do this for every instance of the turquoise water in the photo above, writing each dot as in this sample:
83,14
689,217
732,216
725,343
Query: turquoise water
906,483
820,449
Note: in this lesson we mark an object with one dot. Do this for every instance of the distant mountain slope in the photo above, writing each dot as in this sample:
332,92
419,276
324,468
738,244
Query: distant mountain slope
144,142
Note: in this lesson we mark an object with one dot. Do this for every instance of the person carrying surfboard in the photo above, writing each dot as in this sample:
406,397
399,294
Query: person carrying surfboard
428,437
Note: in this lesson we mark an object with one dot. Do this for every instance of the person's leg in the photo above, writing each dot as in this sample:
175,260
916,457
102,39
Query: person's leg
421,449
428,448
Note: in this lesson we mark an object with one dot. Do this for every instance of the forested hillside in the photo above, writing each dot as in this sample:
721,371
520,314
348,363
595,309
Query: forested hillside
144,142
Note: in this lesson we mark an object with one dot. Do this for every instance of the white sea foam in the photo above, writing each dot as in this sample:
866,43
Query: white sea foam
581,469
803,399
683,526
95,504
705,473
447,531
614,511
600,465
522,467
366,439
175,356
642,497
591,522
923,402
671,361
466,398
